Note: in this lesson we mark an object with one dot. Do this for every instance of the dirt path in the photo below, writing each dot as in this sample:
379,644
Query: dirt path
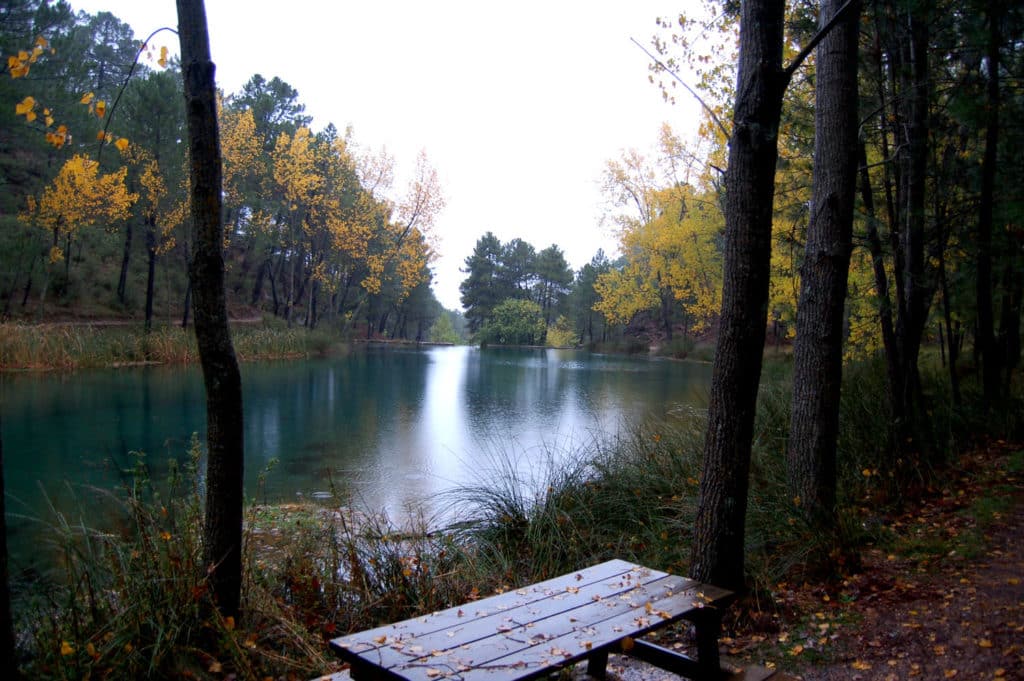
943,600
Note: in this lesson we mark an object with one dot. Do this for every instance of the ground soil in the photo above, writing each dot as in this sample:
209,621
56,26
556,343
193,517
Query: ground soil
943,599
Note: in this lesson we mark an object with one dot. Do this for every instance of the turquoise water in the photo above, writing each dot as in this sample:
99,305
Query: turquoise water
393,426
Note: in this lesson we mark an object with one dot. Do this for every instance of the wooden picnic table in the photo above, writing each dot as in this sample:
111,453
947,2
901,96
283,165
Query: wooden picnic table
533,631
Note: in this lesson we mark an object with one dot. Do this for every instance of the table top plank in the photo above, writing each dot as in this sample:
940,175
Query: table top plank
506,631
582,642
486,609
526,633
565,638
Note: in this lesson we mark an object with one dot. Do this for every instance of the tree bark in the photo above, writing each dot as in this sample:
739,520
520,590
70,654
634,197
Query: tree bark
222,527
8,661
912,154
122,280
983,283
150,271
818,348
750,187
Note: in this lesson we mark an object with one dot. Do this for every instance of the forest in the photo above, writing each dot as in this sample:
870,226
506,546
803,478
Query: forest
95,208
852,194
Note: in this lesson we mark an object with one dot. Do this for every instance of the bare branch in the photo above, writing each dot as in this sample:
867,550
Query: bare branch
689,89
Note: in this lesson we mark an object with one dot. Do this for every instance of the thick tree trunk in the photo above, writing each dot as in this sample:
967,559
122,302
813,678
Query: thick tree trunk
818,348
222,528
750,187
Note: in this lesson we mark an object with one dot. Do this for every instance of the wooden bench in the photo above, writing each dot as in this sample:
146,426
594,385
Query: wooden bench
537,630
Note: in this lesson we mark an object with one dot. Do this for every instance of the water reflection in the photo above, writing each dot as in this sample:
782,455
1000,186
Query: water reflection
394,426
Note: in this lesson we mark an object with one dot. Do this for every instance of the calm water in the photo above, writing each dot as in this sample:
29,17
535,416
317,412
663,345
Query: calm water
392,425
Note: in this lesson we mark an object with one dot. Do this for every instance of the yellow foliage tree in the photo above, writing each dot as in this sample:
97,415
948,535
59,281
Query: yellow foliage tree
675,256
79,197
668,233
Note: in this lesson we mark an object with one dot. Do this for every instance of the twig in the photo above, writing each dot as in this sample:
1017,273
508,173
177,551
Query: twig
689,89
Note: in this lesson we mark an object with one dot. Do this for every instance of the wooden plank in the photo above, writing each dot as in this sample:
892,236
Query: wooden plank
372,639
527,633
600,626
506,631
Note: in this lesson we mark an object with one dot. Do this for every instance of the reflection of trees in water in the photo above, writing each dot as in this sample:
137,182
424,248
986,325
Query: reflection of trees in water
389,423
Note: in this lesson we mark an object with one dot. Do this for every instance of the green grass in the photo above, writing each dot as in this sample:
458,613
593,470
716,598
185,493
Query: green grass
69,347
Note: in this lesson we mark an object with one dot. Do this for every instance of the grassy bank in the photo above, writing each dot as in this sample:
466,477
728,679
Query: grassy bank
81,346
132,603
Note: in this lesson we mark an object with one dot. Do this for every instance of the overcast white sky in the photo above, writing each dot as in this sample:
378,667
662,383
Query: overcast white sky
517,105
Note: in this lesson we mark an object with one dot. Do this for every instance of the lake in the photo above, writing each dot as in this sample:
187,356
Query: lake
395,426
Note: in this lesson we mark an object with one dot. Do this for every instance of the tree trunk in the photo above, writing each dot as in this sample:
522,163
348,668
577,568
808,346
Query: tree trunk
150,273
122,280
1009,321
750,186
8,661
912,155
881,285
222,527
257,289
818,348
188,303
983,283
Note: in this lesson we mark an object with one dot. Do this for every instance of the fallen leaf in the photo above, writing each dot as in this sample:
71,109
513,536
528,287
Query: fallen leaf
860,665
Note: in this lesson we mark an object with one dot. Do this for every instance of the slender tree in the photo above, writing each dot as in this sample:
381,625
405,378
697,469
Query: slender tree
222,531
818,349
8,662
750,187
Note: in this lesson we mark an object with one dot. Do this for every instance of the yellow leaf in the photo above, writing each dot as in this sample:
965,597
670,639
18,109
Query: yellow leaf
162,61
121,144
49,121
866,472
30,116
950,673
87,98
796,650
860,665
42,42
25,106
100,136
66,648
101,108
166,536
985,643
215,667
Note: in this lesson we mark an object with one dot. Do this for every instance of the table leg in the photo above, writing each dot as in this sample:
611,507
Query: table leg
708,623
597,664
